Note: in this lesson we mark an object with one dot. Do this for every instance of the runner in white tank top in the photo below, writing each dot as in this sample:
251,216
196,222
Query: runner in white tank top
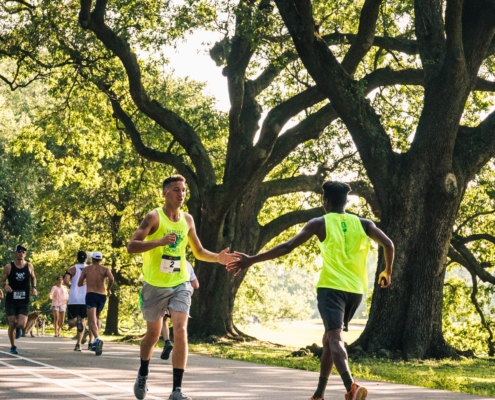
76,306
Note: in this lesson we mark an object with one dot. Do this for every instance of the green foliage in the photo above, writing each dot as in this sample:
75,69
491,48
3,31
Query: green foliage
461,322
270,292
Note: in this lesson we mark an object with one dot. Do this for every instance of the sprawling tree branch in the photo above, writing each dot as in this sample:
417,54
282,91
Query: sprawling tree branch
153,154
474,147
280,224
461,254
169,120
364,38
474,300
346,95
271,72
475,237
430,33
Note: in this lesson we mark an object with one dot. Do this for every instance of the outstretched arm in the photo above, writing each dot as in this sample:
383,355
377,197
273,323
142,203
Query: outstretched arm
376,234
205,255
306,233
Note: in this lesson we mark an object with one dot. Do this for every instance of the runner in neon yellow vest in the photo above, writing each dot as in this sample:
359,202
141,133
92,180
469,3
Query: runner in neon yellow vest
344,244
162,237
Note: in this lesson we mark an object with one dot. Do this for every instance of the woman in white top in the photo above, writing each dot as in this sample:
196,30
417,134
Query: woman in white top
59,296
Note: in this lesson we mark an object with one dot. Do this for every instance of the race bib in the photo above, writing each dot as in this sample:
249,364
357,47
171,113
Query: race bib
170,265
19,294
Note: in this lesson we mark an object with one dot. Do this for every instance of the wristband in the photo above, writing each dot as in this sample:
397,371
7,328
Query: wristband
34,287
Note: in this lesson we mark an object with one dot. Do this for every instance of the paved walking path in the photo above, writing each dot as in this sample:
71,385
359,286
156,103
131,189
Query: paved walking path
48,368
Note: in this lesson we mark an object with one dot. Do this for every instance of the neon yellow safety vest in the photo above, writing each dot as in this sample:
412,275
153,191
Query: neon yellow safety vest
165,266
344,252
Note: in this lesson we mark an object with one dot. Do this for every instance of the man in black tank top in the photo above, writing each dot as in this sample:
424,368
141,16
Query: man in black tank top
20,275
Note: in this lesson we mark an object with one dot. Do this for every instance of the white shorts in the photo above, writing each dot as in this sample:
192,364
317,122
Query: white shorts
59,308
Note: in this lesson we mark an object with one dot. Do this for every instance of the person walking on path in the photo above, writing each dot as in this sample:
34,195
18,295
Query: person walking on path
96,295
168,346
344,243
76,308
59,297
20,276
162,236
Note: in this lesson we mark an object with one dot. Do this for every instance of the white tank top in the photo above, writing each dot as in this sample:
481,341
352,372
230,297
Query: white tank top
77,295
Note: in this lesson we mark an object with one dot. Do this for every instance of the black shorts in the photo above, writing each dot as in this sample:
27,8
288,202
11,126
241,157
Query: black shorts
13,307
337,307
96,300
76,310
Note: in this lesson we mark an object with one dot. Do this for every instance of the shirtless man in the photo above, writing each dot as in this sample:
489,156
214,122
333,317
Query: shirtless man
95,275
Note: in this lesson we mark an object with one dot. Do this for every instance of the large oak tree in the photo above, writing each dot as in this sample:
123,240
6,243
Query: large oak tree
419,190
389,58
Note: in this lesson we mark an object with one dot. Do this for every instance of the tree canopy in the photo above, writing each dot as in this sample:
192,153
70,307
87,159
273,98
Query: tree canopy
393,96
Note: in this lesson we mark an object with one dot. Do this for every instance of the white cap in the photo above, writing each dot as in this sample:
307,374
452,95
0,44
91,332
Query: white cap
97,255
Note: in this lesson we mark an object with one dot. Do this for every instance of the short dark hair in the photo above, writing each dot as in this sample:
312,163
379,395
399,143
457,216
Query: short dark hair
81,256
336,192
173,178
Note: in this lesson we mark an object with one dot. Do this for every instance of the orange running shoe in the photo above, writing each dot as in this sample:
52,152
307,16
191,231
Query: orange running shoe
356,393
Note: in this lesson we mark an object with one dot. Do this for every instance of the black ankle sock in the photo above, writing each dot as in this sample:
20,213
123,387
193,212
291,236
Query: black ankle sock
167,342
144,369
178,374
347,379
322,385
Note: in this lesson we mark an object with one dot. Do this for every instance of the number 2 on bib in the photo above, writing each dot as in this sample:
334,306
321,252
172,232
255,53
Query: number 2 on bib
170,264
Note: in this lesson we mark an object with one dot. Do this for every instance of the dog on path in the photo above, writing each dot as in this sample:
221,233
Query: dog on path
35,320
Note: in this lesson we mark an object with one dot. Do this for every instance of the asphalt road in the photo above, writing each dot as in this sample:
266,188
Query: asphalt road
49,368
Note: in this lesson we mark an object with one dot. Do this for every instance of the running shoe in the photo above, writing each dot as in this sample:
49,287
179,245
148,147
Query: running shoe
356,393
77,348
18,333
98,346
85,336
140,387
79,324
90,346
13,350
166,350
178,395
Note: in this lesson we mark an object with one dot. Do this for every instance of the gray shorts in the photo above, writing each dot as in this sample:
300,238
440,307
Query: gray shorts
156,300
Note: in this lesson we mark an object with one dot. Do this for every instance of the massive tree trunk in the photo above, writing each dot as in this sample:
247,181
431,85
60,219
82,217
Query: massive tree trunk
406,318
419,191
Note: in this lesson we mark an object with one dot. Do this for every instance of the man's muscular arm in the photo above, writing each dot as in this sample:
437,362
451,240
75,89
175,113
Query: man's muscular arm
111,280
5,274
33,280
68,276
148,226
